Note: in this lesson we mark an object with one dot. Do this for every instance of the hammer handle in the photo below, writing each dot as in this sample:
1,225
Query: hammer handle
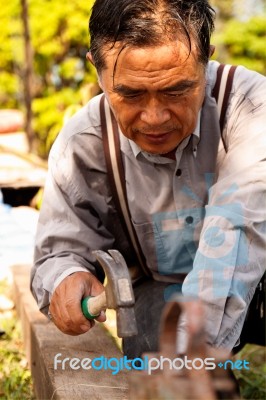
92,306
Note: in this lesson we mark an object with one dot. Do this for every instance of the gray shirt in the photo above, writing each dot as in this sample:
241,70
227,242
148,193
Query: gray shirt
201,214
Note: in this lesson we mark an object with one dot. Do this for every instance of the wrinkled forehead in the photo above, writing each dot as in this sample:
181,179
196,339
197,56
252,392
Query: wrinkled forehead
121,53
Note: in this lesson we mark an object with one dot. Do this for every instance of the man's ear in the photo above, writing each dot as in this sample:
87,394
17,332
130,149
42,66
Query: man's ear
212,50
89,57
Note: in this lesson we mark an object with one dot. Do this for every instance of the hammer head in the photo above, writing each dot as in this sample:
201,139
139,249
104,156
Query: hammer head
119,292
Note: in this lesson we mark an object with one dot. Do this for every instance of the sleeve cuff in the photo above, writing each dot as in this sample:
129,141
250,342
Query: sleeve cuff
66,273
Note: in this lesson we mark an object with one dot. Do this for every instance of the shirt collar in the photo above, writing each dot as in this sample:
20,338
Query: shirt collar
195,137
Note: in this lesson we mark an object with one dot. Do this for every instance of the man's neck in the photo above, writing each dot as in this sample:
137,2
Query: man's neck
170,154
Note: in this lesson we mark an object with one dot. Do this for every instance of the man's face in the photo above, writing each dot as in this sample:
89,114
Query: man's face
155,93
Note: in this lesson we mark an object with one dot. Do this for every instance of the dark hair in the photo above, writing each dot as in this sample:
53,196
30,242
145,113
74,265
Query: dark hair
140,23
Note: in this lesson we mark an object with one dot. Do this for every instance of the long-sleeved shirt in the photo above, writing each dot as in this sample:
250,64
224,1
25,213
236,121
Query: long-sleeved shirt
202,214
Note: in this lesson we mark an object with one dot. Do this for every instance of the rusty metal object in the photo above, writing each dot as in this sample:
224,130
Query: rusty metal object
183,383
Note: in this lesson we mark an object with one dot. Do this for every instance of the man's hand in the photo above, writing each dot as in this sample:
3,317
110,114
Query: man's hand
65,307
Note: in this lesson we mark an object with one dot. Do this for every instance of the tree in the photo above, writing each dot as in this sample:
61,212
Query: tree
240,33
11,54
245,43
28,73
60,41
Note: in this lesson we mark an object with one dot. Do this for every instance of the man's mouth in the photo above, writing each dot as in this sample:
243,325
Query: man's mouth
158,137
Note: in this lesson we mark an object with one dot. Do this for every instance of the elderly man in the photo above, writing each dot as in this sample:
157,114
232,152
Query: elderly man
195,192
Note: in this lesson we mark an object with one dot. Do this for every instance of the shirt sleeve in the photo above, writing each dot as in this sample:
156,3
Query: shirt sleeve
230,259
75,214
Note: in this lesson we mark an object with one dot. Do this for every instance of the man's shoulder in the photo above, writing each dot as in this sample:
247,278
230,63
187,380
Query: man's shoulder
247,83
85,120
82,130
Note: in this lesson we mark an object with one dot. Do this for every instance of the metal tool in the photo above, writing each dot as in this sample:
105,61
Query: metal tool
118,294
197,382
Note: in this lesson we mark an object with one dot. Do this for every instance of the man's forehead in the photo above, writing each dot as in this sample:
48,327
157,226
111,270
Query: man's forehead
121,52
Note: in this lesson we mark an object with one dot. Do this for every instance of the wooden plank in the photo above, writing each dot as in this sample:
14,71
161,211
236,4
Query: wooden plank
43,341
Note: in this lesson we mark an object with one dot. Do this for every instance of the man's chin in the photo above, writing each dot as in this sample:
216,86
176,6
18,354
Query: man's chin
159,151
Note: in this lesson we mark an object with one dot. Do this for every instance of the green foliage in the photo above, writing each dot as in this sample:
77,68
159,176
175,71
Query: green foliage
240,34
15,377
10,53
252,382
49,113
245,43
9,87
60,44
58,31
59,35
223,8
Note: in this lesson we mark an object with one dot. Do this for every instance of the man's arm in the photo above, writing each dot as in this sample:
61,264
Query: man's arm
74,220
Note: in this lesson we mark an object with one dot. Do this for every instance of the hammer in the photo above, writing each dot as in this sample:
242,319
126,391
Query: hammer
118,294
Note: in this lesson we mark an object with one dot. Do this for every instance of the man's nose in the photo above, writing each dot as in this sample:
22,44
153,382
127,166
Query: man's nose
155,113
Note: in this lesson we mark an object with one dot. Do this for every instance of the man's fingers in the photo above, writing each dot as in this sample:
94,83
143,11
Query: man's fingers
67,316
94,289
102,317
73,319
65,306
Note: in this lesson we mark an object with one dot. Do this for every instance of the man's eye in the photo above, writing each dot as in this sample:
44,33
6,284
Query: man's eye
131,97
174,94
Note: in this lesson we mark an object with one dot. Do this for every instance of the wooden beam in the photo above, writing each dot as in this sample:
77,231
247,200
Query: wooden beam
43,341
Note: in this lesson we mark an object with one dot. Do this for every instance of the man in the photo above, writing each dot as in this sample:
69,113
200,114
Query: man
196,195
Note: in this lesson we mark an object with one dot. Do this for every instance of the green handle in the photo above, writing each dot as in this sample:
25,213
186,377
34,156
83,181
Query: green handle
85,308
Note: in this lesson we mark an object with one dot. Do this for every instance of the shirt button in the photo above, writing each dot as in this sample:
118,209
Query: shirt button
179,172
189,220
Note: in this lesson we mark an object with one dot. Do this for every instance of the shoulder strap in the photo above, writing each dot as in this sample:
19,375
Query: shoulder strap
222,90
115,170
